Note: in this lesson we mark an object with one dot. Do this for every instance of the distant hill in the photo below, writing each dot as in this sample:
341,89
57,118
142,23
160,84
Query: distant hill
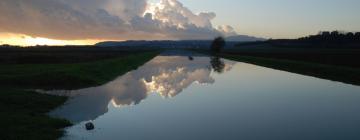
244,38
230,42
162,44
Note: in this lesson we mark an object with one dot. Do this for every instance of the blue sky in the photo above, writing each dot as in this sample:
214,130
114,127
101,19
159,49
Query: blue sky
282,18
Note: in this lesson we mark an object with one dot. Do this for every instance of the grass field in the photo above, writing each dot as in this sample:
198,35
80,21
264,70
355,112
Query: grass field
23,115
69,76
23,112
349,75
321,63
330,56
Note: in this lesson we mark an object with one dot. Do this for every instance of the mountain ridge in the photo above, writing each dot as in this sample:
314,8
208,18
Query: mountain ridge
232,40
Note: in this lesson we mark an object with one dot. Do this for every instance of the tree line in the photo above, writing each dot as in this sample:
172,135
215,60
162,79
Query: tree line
333,37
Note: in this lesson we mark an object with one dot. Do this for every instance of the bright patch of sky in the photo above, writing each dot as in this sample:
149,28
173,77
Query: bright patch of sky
282,18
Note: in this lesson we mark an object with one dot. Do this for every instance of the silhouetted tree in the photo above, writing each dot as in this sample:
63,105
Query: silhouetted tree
323,39
338,37
217,65
218,44
325,33
357,36
350,34
335,33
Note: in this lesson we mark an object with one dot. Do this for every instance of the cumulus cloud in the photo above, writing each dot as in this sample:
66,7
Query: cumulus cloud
227,30
106,19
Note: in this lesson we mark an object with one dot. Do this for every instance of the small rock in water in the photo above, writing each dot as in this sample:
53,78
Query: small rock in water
89,126
191,58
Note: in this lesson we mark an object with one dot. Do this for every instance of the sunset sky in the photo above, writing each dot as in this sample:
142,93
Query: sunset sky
62,22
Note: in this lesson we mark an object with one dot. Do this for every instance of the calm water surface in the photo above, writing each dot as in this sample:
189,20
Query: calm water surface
176,97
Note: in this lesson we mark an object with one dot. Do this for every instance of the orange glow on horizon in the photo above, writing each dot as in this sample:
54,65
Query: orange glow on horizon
25,40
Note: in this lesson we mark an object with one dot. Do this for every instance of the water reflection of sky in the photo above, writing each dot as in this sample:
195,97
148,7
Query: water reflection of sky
164,75
174,98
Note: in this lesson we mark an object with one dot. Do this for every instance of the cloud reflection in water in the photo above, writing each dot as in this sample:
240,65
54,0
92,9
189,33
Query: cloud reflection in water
165,75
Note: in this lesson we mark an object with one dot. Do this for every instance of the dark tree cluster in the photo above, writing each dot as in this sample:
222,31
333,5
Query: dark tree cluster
6,45
333,37
218,44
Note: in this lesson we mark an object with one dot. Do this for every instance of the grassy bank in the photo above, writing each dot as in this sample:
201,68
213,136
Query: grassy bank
23,112
61,55
23,115
70,76
330,56
331,72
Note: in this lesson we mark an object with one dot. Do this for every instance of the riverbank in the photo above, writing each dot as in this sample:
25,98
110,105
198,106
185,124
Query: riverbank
23,115
330,64
345,74
330,56
23,112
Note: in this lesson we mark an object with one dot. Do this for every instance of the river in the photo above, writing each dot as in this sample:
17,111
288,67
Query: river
187,96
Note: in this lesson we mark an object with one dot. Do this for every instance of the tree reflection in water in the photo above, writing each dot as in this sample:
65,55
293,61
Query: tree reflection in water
217,64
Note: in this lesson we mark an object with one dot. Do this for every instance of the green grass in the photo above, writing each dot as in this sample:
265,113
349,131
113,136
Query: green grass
70,76
23,112
23,115
331,72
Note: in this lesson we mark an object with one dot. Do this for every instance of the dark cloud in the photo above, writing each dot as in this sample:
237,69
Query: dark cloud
105,19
